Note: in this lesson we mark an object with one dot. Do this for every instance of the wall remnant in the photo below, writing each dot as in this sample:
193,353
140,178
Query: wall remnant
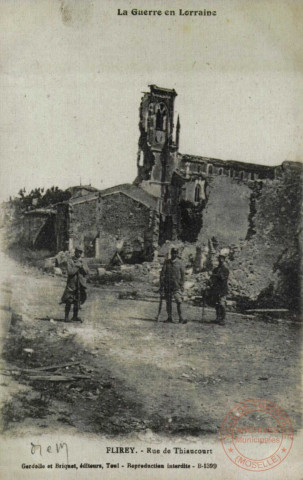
100,220
267,269
227,210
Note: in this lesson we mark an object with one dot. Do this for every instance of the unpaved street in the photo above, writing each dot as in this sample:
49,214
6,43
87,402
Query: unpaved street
139,374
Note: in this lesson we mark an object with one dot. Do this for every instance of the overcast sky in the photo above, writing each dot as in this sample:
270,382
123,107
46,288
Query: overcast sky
72,73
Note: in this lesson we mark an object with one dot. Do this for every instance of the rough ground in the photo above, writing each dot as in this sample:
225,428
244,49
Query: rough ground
140,374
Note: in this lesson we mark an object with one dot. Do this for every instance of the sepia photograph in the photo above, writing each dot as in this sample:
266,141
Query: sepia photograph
151,235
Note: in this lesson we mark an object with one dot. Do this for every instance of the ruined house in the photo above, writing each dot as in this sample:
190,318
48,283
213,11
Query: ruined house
100,220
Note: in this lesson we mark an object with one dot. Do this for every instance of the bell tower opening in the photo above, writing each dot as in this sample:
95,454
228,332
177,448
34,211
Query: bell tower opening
161,117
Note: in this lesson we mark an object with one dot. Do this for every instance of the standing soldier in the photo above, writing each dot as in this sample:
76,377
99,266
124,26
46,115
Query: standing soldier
75,290
171,283
161,292
219,289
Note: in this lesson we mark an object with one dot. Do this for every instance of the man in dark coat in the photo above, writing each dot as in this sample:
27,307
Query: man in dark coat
219,289
75,290
171,284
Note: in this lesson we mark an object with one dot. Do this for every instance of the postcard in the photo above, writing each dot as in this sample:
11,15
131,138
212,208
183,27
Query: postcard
150,227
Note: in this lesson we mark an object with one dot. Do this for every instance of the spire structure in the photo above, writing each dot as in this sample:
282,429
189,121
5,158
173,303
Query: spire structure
178,127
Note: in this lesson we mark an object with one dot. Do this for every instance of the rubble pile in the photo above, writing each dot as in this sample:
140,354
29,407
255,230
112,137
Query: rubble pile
266,269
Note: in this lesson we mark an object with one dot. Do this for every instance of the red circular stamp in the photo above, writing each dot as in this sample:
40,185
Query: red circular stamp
257,435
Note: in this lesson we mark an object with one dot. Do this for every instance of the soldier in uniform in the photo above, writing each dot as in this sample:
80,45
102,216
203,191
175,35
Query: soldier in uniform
219,289
75,290
171,284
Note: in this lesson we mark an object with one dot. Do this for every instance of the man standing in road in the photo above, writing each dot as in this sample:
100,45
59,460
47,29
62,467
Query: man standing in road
219,289
75,290
171,283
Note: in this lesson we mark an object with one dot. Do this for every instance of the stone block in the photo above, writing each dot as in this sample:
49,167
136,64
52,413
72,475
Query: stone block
49,264
101,272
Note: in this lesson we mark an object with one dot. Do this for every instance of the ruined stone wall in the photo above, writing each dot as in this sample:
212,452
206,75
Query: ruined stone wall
267,267
83,223
261,222
62,226
189,191
226,215
121,216
108,217
152,188
30,228
230,168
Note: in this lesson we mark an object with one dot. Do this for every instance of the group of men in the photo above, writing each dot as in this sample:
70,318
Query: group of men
171,287
172,284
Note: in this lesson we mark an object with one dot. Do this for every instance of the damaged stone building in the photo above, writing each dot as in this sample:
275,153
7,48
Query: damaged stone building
175,196
187,186
99,221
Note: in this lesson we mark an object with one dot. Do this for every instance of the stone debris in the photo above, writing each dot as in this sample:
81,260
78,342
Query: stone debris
58,271
101,272
188,285
128,295
28,350
49,264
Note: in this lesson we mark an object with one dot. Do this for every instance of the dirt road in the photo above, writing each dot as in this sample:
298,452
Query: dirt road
140,374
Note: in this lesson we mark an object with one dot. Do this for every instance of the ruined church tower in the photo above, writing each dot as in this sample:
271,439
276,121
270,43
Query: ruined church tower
158,143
